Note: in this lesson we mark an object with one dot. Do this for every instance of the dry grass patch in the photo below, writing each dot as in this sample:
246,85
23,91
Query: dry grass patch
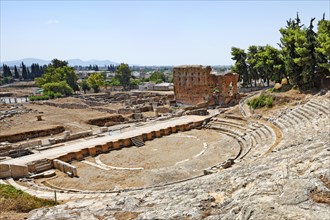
15,200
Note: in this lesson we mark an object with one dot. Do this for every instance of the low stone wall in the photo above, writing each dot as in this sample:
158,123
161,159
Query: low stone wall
69,105
79,135
29,144
14,171
31,134
65,167
114,119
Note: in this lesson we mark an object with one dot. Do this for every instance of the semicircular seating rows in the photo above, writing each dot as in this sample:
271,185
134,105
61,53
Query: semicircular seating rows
309,116
254,138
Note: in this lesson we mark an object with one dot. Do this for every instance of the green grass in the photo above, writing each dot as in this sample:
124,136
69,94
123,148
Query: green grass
261,101
12,199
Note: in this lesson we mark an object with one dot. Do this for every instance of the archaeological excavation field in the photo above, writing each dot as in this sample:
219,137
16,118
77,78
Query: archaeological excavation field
136,157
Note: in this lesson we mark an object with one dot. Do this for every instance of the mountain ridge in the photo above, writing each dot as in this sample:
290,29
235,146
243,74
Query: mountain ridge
72,62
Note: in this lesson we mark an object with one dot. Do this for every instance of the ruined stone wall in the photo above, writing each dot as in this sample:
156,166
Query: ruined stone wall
196,84
31,134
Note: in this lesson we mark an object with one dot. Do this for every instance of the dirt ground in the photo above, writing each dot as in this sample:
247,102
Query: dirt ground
72,119
19,89
168,159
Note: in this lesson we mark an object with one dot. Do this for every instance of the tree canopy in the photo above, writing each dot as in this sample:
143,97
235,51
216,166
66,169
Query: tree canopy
303,57
59,72
123,74
95,80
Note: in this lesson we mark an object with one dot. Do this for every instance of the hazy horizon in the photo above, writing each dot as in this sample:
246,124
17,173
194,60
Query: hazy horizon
145,32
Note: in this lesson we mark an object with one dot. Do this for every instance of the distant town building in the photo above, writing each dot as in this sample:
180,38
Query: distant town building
156,87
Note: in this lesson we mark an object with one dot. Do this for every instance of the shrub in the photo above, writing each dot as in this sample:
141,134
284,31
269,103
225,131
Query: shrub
261,101
58,87
45,96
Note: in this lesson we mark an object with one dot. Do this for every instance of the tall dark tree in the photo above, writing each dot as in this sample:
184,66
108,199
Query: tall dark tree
305,49
290,35
6,71
16,74
24,71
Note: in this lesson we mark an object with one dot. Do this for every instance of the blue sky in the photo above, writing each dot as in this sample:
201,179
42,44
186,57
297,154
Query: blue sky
145,32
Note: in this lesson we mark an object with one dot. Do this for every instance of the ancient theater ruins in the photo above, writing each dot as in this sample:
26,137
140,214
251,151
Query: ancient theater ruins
197,84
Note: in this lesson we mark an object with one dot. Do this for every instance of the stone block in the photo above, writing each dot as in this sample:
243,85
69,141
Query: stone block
18,171
31,167
103,129
116,144
150,136
174,129
92,151
181,127
144,137
105,148
98,149
79,155
5,171
126,142
158,133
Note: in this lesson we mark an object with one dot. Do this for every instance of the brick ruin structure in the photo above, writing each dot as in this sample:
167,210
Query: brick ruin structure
196,84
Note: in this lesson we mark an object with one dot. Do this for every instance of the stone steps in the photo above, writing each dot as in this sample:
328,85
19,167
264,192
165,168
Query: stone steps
247,148
299,116
312,110
235,117
233,122
304,114
289,121
43,165
279,124
319,108
227,130
137,141
227,123
321,104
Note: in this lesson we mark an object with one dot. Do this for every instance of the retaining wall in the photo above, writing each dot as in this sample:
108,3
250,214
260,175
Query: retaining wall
31,134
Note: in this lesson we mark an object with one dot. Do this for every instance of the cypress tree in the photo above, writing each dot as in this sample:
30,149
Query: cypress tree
16,74
24,72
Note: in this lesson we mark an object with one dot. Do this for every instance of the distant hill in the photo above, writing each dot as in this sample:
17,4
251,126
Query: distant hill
72,62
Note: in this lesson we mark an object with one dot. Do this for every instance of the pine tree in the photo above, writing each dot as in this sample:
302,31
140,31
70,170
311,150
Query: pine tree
323,49
240,66
289,38
305,48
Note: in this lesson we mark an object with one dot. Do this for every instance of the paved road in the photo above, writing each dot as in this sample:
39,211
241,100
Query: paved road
76,146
